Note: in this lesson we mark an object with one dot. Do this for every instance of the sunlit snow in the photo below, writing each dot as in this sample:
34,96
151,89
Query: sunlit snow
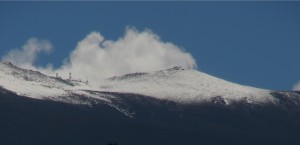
174,84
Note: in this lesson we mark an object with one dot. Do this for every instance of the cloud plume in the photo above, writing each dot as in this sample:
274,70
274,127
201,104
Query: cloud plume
27,55
297,87
97,58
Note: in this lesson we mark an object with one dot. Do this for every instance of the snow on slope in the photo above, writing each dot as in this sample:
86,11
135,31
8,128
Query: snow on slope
175,84
30,83
185,86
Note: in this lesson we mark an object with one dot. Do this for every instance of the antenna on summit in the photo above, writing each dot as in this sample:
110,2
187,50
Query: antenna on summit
70,76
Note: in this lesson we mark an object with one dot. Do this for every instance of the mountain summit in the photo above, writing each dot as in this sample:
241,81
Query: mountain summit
185,86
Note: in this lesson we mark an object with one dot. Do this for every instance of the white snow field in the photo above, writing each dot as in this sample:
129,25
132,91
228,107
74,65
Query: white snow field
174,84
185,86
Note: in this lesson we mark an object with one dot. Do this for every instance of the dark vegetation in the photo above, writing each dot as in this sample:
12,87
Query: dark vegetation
25,121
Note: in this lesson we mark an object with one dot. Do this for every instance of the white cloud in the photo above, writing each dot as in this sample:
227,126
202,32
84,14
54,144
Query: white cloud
27,55
97,58
297,87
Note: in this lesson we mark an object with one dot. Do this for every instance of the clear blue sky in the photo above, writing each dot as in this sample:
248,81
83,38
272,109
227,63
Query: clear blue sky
251,43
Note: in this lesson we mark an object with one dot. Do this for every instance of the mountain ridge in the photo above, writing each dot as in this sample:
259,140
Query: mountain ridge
142,108
176,84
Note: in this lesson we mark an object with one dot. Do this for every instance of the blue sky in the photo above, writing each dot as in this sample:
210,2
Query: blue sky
251,43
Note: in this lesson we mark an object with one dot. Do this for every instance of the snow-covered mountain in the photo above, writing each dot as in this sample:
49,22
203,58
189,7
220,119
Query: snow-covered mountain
31,83
173,106
174,84
185,86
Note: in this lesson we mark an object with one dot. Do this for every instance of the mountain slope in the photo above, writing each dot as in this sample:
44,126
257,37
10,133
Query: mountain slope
30,83
175,84
34,121
185,86
173,106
